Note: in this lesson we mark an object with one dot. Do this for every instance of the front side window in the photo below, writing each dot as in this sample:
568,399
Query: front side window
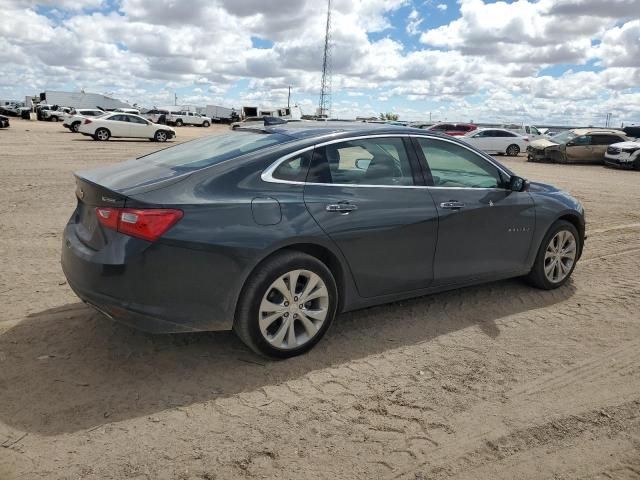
373,161
134,119
457,167
535,131
582,140
118,118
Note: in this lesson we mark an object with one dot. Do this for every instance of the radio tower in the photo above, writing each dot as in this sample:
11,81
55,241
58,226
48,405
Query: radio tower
324,107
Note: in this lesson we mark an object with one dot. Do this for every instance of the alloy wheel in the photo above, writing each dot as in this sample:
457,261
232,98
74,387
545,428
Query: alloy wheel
293,309
560,256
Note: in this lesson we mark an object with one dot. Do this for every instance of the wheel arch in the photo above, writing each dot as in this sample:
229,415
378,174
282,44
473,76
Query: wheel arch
323,253
574,219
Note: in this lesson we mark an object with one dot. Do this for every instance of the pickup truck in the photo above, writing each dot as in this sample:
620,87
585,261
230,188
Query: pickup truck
188,118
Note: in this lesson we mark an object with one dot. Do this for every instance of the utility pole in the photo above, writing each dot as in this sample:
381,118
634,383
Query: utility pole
324,105
289,98
175,99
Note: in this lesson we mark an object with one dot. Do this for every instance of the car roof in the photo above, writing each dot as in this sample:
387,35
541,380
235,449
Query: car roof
313,129
587,131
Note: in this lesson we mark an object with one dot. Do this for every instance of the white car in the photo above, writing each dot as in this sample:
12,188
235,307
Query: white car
497,140
75,117
623,154
55,115
125,125
188,118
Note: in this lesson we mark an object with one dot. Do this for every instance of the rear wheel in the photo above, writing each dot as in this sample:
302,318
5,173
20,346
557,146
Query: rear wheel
179,123
161,136
513,150
287,305
102,135
556,257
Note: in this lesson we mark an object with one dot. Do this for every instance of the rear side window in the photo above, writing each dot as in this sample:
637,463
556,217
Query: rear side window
605,139
374,161
294,169
213,149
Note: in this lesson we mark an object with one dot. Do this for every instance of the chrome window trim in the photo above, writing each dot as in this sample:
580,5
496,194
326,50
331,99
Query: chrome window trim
267,174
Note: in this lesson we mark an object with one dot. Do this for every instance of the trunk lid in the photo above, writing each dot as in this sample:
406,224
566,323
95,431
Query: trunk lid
89,196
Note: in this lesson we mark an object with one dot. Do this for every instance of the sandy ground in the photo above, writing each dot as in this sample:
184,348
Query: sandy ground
499,381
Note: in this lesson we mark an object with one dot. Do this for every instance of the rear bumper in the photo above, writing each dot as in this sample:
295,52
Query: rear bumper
152,287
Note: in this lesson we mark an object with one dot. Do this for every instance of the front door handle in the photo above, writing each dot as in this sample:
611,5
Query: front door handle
343,207
452,205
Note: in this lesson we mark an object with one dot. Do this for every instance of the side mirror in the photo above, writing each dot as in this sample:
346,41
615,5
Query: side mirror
362,163
518,184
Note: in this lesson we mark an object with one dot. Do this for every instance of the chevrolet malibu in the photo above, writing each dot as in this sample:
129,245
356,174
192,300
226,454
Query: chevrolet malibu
272,231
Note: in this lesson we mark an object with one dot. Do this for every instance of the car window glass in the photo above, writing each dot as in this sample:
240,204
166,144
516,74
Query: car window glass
454,166
507,134
294,169
582,140
118,118
134,119
604,139
535,131
375,161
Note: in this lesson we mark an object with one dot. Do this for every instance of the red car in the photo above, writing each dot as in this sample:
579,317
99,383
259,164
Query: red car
453,129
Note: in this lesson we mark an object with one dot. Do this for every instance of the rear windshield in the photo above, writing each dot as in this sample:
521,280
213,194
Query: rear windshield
214,149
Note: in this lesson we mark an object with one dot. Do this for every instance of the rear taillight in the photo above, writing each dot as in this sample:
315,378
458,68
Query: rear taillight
148,224
87,121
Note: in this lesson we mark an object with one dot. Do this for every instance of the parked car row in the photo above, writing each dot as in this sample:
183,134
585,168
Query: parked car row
587,145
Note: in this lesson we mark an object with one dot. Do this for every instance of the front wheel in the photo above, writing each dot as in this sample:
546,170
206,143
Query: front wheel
556,257
513,150
287,305
205,124
75,127
161,136
179,123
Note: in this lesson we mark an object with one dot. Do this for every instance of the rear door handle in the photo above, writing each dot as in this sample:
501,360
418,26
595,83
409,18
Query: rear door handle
342,207
452,205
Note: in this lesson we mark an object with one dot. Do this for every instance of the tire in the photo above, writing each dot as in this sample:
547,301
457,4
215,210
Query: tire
161,136
205,124
513,150
179,123
75,127
102,135
261,299
541,279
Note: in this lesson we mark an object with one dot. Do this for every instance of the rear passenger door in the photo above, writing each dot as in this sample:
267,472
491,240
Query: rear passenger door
600,143
366,195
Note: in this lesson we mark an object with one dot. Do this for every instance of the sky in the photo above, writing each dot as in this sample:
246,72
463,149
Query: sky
544,61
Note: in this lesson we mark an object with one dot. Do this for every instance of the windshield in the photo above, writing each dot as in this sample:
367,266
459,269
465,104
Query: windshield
563,137
213,149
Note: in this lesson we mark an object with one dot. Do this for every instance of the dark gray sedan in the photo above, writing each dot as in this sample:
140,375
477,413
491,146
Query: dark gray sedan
273,231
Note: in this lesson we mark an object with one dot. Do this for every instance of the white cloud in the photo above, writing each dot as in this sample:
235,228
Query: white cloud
441,6
485,64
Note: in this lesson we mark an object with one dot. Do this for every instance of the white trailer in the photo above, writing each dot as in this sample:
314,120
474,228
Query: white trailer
81,100
286,113
218,113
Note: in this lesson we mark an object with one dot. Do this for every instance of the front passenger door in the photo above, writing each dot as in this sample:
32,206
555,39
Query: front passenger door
579,149
484,229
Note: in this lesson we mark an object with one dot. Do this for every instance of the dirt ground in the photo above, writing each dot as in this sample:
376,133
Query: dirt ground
498,381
